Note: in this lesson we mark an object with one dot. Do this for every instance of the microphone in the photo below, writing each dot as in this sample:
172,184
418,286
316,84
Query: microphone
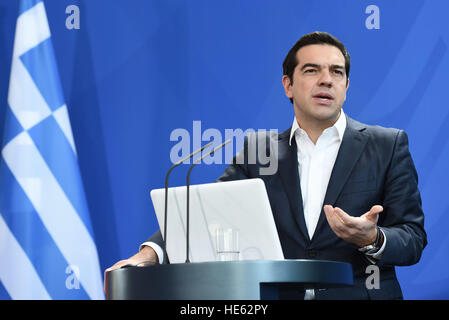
166,187
188,193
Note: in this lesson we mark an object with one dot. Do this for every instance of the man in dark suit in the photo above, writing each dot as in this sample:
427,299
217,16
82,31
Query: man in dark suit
343,190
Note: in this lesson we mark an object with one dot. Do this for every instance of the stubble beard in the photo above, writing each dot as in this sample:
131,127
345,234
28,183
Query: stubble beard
323,119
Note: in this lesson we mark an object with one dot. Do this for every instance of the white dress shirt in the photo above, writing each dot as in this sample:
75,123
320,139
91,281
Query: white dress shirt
315,164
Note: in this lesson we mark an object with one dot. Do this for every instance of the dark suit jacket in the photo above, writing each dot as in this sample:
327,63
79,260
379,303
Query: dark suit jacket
373,166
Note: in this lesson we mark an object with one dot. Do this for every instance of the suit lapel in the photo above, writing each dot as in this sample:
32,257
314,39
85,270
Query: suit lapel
352,145
288,172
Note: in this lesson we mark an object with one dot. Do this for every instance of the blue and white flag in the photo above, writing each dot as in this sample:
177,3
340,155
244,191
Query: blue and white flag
47,248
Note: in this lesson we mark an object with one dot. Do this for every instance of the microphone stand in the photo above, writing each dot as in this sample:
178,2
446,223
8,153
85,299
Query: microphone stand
166,188
188,194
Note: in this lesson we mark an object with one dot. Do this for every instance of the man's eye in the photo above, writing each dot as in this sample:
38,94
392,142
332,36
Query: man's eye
309,71
339,72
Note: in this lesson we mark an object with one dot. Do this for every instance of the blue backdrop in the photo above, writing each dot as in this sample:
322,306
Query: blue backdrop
136,70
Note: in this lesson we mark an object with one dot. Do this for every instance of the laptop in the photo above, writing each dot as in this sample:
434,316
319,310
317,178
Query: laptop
242,205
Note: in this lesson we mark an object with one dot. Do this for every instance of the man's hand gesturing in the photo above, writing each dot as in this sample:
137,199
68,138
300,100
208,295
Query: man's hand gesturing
361,231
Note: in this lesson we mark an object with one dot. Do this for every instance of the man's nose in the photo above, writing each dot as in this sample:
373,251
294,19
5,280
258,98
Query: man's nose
325,79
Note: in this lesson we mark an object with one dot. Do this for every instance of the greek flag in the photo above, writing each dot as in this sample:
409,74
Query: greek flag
47,248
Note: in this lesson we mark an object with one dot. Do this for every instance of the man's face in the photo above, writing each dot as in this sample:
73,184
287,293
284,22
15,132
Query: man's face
319,84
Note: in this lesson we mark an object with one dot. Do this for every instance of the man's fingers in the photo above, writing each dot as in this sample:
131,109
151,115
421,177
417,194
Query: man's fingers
328,209
377,209
345,218
342,216
350,221
334,220
373,213
358,230
118,265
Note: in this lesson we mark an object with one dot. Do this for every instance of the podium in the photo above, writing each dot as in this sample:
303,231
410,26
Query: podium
233,280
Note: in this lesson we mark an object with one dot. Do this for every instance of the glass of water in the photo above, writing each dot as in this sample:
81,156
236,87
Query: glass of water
227,240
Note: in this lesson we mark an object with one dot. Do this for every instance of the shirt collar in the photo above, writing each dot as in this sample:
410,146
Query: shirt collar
340,125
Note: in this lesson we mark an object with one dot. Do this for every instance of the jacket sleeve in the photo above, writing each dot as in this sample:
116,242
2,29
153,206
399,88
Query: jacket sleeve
157,239
403,221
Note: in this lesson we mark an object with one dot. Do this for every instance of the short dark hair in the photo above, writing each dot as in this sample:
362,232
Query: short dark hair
290,61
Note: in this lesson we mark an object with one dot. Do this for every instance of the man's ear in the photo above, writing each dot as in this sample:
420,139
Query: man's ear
287,86
347,86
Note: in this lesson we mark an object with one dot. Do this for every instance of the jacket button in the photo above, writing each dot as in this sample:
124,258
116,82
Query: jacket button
311,254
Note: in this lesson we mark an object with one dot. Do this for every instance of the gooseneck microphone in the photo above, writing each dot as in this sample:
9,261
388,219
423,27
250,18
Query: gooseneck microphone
188,193
166,187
